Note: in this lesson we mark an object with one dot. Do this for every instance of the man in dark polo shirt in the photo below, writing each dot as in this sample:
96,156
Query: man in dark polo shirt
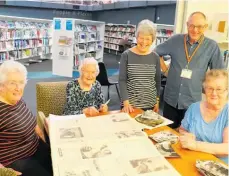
191,55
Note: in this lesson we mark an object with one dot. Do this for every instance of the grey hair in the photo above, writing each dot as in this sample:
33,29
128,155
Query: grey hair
88,61
198,13
148,27
216,73
10,66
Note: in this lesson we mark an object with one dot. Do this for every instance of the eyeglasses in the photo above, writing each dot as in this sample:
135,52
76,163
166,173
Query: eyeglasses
13,84
89,72
200,27
141,39
218,91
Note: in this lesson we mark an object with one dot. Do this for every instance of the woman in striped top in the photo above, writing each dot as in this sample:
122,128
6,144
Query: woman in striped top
21,144
140,73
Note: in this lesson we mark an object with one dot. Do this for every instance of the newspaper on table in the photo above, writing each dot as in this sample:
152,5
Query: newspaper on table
110,145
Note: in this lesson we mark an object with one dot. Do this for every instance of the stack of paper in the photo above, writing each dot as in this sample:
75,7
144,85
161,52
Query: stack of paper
110,145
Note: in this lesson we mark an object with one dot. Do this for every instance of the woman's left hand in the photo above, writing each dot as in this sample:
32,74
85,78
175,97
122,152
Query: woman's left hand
188,140
103,108
156,108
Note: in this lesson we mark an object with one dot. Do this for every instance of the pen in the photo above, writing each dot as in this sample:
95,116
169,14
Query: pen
107,102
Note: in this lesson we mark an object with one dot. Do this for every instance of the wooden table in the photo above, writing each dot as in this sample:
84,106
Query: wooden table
185,165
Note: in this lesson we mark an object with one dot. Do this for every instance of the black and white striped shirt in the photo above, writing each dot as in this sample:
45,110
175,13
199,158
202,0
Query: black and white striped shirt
140,79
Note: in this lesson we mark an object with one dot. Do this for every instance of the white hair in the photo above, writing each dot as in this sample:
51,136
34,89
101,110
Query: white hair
147,27
89,61
10,66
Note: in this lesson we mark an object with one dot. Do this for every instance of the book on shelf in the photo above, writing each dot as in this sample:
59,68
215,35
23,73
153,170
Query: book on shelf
21,39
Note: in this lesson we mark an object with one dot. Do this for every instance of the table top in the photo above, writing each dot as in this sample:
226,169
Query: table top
185,164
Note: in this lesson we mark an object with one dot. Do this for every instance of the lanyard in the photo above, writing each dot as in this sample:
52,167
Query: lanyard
189,58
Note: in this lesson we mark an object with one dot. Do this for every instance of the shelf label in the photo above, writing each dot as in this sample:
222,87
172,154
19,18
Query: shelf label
57,24
69,25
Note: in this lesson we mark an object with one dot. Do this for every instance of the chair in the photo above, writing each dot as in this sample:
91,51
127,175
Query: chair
51,98
104,81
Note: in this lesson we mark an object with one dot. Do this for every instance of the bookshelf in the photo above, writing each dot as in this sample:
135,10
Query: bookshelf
114,33
23,38
164,31
76,39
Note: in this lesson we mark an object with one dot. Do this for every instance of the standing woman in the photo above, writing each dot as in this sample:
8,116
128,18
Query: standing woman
140,73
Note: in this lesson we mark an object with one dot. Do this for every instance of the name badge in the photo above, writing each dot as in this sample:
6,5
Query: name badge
186,73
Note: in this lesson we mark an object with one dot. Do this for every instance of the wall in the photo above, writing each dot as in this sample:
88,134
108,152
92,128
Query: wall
214,10
43,13
165,13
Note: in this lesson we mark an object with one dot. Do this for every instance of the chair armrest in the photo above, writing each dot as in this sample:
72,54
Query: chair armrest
42,121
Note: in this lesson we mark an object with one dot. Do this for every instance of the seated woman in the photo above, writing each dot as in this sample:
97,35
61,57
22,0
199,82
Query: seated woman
140,72
205,125
21,144
84,94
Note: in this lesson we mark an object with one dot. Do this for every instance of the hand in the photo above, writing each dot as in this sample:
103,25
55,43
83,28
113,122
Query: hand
188,140
127,107
156,107
103,108
91,111
4,170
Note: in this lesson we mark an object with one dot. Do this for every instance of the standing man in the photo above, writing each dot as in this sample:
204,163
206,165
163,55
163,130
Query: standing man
191,55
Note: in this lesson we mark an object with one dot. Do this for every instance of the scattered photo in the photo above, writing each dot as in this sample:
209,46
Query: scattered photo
129,134
165,148
149,118
70,133
119,118
148,165
164,136
212,168
95,152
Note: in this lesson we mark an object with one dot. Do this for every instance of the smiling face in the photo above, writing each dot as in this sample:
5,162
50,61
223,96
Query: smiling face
12,90
88,74
216,90
144,42
196,26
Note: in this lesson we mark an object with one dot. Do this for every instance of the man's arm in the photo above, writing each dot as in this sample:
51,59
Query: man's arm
217,59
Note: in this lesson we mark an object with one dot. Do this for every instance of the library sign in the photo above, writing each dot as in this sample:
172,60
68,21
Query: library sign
67,13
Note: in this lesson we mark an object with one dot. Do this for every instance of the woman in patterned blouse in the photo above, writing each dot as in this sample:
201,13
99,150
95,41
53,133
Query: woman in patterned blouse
84,94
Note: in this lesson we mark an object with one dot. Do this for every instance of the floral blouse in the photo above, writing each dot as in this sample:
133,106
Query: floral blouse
77,99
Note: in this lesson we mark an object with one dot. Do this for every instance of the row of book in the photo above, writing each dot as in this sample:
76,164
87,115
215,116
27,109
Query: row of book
88,47
85,28
19,54
23,34
23,24
22,44
121,28
83,37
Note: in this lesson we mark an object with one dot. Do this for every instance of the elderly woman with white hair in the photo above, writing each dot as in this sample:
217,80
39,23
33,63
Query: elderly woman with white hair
21,141
205,125
84,95
140,73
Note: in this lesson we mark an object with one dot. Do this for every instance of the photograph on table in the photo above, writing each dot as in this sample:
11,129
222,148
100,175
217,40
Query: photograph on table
149,165
129,134
88,152
165,135
70,133
150,120
211,168
120,118
165,148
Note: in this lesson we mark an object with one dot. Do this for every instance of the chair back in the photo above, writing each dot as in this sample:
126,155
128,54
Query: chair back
51,97
102,76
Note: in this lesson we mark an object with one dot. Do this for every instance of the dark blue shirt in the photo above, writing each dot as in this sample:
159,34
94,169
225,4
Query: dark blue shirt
182,92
